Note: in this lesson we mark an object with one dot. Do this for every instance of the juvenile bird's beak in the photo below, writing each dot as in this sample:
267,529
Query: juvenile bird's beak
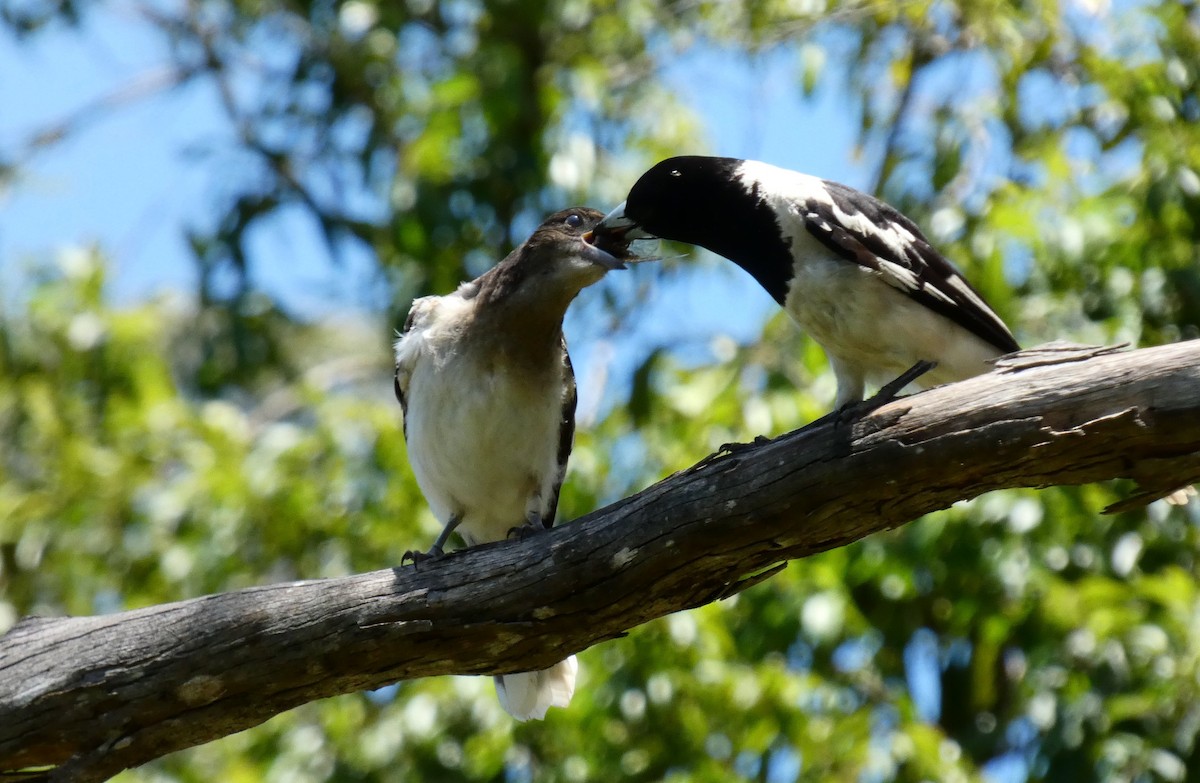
615,232
608,257
611,237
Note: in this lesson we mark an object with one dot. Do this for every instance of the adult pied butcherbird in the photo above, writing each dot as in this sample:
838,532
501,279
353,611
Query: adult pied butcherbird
853,272
488,394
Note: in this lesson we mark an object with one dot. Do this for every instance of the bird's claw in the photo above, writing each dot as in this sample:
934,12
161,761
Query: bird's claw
729,450
733,448
853,411
418,557
533,524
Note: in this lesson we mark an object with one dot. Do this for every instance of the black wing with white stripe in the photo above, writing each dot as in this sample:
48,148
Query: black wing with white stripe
868,232
566,435
399,380
403,402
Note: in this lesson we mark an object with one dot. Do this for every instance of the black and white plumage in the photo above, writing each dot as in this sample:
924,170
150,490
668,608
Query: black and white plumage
488,393
853,272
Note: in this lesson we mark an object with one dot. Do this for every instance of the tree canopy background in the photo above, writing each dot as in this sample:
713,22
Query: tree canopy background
186,445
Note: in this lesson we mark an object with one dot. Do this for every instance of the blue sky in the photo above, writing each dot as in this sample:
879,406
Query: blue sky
132,178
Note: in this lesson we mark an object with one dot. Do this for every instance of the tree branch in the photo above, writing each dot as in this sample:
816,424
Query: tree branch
83,698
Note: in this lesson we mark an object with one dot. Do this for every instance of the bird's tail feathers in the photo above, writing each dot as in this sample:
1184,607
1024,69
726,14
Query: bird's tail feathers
528,695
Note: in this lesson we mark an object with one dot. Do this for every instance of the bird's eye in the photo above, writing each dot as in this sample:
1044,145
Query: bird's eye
676,173
574,220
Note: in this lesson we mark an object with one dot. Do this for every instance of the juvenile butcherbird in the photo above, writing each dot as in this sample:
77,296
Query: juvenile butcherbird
853,272
488,394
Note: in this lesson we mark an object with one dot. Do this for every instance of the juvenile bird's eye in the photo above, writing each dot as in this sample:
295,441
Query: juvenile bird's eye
574,220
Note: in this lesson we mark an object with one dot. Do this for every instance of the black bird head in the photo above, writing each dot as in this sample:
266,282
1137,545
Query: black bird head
679,198
707,202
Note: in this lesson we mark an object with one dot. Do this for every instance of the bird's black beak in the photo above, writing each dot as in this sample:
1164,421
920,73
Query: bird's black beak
613,234
616,227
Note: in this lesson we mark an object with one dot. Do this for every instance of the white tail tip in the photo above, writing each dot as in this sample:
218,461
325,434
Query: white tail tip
528,695
1181,497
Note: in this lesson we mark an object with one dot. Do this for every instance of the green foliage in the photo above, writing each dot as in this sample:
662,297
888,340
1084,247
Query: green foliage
121,489
172,449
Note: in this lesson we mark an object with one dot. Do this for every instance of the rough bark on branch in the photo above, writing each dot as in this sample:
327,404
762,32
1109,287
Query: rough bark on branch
82,698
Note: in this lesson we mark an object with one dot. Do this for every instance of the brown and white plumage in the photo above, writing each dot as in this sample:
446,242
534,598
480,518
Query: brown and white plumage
488,393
